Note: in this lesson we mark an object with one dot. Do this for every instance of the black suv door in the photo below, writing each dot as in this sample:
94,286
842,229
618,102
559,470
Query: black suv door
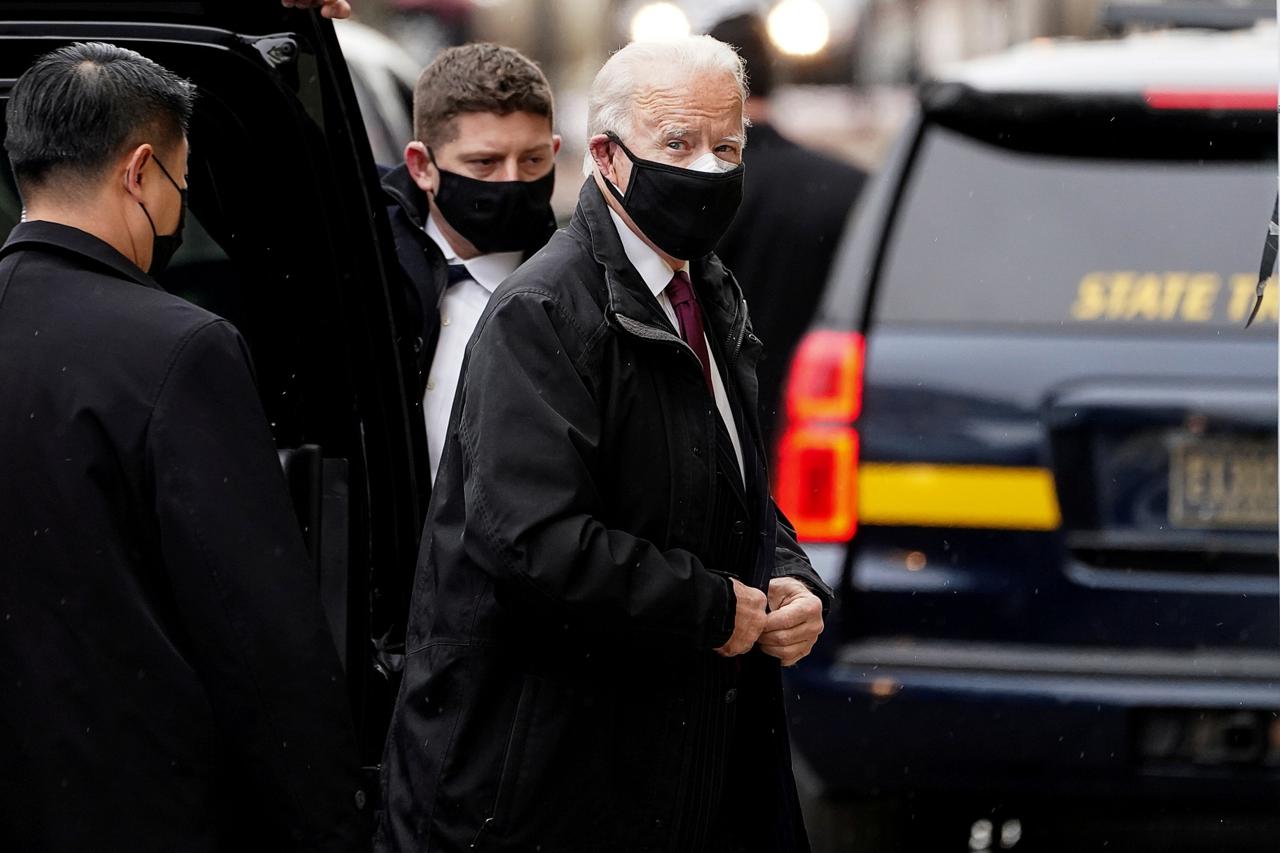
285,238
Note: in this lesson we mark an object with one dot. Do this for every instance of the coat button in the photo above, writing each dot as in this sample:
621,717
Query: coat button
730,695
361,799
697,451
739,527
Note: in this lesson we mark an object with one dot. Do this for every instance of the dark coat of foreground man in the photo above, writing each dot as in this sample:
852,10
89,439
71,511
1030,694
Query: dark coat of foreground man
167,682
560,691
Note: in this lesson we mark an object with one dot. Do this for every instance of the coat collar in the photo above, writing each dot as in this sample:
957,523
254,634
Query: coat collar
631,302
40,234
404,193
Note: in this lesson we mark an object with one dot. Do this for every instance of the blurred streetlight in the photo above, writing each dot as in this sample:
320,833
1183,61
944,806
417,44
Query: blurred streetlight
659,22
799,27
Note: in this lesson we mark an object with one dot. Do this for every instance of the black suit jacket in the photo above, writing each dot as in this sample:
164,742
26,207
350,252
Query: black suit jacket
167,681
781,244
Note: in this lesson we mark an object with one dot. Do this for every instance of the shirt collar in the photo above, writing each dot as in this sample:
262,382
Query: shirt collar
652,268
488,271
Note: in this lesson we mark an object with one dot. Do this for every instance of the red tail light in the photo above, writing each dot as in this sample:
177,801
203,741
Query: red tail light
1211,99
817,482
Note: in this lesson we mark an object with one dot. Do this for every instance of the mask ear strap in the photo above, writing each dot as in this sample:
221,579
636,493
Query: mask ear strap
166,173
617,193
616,140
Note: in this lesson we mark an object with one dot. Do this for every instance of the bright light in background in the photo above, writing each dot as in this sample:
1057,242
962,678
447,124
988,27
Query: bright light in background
659,22
799,27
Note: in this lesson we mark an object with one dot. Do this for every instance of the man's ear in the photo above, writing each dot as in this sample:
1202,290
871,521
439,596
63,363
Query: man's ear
601,148
555,145
135,162
421,168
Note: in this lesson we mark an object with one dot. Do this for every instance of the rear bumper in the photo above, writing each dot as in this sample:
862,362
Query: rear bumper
883,719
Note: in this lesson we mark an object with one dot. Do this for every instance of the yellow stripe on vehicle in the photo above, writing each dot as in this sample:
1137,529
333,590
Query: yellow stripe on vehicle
912,495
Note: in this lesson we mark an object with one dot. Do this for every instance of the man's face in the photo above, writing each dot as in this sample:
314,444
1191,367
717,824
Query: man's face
676,123
518,146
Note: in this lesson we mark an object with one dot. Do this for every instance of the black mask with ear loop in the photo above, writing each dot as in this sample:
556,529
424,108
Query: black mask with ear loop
165,246
497,216
683,211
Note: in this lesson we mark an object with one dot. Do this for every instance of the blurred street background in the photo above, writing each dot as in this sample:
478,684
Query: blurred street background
844,69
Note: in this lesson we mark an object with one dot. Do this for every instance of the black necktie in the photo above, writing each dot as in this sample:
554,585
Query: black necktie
457,273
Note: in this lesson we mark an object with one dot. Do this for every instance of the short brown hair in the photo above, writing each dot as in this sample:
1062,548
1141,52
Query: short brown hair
476,78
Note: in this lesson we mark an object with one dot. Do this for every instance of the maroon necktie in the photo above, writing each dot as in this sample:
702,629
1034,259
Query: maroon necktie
680,292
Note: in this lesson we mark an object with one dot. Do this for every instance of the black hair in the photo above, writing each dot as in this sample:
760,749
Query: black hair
747,35
78,108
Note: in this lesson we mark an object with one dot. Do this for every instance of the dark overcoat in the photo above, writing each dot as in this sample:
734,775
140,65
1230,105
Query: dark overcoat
167,680
561,692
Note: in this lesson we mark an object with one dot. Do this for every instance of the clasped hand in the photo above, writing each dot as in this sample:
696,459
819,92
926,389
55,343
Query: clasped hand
785,624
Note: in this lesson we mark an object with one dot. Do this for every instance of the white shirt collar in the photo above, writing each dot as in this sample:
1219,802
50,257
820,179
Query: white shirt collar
652,268
488,271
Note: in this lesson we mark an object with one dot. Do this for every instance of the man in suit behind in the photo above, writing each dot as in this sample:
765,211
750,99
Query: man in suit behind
784,238
167,681
470,203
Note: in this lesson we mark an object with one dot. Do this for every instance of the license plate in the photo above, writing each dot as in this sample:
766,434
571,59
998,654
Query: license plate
1222,483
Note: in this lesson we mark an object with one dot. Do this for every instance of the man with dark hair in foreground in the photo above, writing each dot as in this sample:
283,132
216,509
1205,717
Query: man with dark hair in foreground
167,681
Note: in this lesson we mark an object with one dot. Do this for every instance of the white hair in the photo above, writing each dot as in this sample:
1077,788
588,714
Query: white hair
609,103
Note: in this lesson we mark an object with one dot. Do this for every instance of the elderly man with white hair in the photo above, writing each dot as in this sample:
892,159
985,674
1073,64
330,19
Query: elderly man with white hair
606,592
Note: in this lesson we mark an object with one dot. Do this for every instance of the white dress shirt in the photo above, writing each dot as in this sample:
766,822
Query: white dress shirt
460,310
657,275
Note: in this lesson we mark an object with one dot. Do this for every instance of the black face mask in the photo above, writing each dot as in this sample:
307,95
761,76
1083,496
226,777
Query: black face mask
498,216
165,246
683,211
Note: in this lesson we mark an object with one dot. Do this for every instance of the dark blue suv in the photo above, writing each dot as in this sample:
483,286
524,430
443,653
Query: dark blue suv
1034,447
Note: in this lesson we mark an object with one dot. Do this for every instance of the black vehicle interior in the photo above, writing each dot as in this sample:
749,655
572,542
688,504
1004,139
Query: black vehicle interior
274,243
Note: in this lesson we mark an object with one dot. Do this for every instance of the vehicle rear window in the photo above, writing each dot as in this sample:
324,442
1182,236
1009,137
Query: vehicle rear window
990,235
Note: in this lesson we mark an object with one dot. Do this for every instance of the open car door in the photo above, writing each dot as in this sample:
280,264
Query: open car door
287,238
